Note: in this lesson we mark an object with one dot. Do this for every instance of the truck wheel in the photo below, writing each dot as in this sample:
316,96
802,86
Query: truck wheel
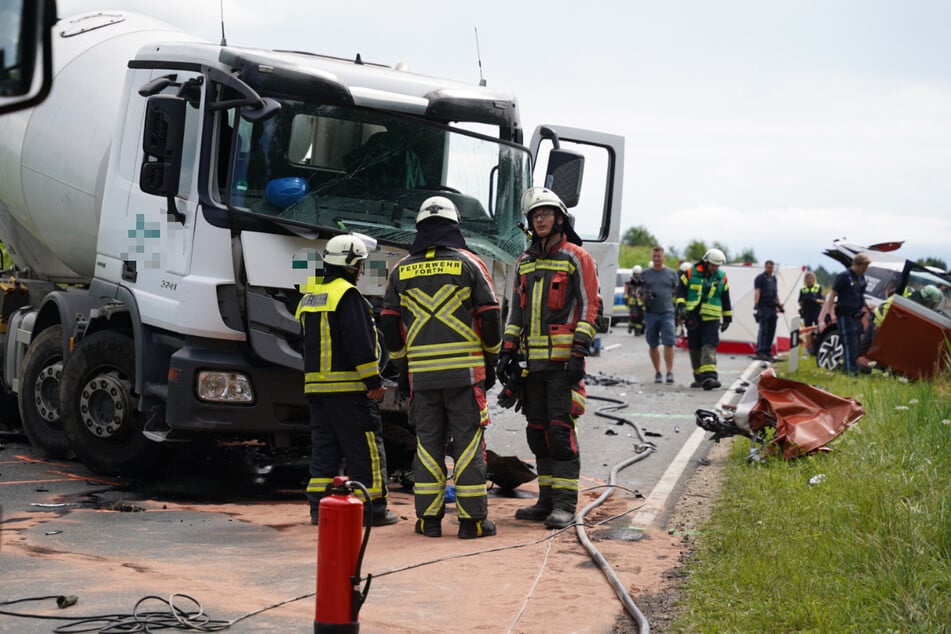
39,396
830,354
99,409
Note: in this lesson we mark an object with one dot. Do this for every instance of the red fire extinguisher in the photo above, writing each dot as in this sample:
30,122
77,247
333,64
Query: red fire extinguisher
339,554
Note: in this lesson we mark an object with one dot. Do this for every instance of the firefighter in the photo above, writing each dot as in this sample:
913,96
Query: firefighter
342,380
441,320
703,305
634,296
551,320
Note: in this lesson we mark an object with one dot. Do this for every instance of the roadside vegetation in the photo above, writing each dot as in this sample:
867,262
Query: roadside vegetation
853,540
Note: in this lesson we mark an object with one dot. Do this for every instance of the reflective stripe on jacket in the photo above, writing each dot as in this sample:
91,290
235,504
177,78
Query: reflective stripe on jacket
440,296
711,293
554,304
341,350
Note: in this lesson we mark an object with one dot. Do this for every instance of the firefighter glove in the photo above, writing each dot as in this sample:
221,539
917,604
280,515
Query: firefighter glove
511,393
681,313
726,323
574,369
507,366
756,315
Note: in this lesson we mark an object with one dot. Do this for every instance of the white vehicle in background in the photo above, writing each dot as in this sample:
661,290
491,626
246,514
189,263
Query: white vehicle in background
620,312
167,201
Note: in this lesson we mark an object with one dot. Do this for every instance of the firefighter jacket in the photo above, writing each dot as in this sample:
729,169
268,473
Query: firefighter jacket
441,318
554,305
707,294
341,351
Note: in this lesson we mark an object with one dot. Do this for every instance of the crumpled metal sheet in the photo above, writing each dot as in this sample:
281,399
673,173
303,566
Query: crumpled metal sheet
806,417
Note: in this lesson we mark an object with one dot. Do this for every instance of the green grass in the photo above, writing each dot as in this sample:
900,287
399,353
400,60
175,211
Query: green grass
866,550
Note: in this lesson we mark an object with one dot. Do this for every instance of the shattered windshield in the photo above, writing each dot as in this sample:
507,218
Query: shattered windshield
353,169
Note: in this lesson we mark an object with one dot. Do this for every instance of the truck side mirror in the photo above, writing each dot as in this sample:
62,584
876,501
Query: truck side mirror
162,141
564,175
26,62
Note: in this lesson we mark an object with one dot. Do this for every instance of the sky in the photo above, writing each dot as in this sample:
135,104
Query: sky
774,126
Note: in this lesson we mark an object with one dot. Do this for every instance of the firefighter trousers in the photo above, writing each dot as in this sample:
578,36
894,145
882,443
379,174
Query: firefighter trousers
702,343
346,434
551,412
453,417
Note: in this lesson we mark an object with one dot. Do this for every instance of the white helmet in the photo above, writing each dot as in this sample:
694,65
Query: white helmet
536,197
438,207
637,269
715,256
931,294
345,250
684,267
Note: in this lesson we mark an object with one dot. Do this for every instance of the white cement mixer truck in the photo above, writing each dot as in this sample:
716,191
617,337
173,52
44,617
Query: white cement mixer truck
162,208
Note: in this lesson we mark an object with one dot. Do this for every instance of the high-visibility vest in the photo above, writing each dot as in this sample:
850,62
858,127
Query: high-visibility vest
707,292
325,373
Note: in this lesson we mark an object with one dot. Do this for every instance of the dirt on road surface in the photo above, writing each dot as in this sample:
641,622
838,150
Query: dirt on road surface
525,579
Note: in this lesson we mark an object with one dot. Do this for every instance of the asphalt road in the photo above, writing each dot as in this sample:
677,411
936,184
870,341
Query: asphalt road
225,524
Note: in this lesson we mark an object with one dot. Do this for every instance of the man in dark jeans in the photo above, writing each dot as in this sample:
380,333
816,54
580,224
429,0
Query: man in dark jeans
848,297
766,305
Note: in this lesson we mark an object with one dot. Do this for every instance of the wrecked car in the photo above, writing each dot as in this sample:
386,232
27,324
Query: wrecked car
893,282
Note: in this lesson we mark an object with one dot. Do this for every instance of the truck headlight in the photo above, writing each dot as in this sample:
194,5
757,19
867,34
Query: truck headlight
224,387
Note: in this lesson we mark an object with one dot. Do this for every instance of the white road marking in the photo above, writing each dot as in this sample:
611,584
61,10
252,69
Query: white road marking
657,500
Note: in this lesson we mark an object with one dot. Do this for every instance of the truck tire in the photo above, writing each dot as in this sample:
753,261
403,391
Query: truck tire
99,410
39,395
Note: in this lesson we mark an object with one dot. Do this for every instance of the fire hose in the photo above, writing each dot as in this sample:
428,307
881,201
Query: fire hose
645,449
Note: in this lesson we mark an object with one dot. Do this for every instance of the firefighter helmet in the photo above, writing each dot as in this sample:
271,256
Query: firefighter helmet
684,267
437,207
536,197
345,250
715,256
637,269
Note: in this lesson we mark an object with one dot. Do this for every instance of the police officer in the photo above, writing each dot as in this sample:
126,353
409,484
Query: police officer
552,316
810,300
847,300
703,304
441,320
342,380
766,305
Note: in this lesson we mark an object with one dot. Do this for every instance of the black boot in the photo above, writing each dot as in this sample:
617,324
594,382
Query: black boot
474,529
559,518
564,503
539,510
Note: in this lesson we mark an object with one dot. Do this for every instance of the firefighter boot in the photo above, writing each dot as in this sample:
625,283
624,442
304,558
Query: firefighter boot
539,510
429,526
472,529
563,510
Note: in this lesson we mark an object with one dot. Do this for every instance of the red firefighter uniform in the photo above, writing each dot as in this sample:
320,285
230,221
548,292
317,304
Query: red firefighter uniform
441,319
552,313
340,365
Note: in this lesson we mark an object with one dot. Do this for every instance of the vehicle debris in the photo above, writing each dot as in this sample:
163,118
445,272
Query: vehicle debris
805,418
